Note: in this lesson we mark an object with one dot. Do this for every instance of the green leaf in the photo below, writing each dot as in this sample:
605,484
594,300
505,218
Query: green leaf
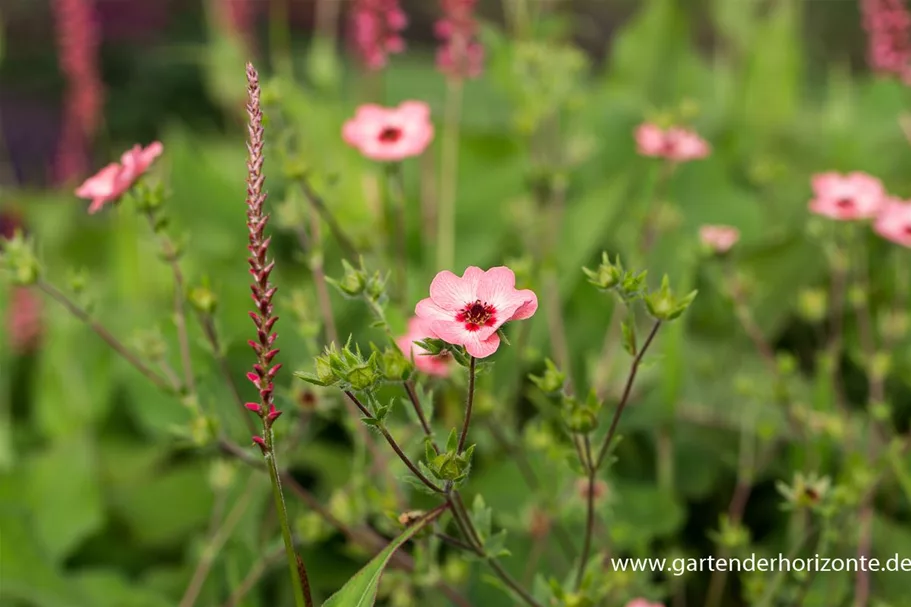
360,591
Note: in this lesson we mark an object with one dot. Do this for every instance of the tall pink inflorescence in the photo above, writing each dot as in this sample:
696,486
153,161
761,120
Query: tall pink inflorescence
888,26
375,31
460,55
260,268
78,39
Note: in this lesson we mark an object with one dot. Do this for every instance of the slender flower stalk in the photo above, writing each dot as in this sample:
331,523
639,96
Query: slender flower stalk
264,371
468,404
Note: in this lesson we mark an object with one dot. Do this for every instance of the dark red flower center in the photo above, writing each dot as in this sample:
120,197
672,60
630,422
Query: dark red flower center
476,315
907,229
390,134
844,203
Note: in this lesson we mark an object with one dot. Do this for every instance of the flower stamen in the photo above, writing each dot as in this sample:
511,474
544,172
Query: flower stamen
476,315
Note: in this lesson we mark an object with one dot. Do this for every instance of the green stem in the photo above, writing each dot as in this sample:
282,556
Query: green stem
627,390
299,580
448,176
468,404
590,509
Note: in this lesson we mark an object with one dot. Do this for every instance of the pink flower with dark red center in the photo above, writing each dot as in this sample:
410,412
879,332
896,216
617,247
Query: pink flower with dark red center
390,134
643,603
461,55
894,222
676,143
419,329
376,27
847,197
468,311
114,180
719,238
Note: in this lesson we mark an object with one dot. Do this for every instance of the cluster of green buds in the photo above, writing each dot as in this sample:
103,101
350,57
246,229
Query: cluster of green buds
438,347
18,259
347,369
581,416
449,465
731,534
662,303
806,492
359,282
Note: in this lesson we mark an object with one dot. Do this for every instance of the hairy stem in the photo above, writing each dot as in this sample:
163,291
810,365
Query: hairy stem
627,390
99,329
468,405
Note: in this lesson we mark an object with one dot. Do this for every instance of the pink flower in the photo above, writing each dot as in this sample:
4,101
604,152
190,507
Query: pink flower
375,31
643,603
113,181
847,197
461,55
676,143
390,134
719,238
467,311
419,329
894,222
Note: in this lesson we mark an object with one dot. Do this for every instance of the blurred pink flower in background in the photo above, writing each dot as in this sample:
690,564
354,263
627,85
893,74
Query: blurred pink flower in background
676,143
719,238
643,603
419,329
468,310
113,181
23,320
888,26
390,134
894,222
78,39
375,31
238,17
460,55
847,197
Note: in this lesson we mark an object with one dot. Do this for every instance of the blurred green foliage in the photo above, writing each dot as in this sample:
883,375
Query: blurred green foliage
104,502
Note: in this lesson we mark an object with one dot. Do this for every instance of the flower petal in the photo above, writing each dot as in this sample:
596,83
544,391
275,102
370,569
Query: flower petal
430,311
451,292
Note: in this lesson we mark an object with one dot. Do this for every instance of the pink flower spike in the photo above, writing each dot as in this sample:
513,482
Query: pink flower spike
261,443
419,329
390,134
255,407
468,310
894,222
847,197
719,238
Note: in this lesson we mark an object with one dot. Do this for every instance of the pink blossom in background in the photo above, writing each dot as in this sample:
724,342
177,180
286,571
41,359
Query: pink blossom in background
643,603
390,134
847,197
676,143
460,55
375,31
888,26
78,39
419,329
23,321
719,238
468,310
114,180
894,222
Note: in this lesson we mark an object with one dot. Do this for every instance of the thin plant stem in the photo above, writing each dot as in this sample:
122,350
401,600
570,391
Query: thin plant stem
452,541
80,313
627,390
419,411
395,192
298,575
468,404
591,471
169,251
649,229
217,540
392,443
446,219
318,204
